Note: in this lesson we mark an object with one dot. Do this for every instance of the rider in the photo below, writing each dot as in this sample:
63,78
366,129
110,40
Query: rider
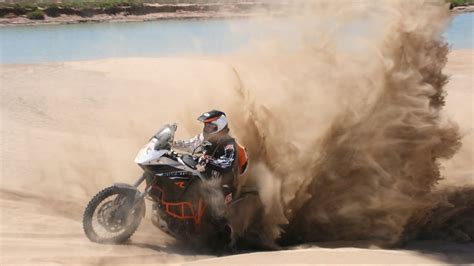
221,156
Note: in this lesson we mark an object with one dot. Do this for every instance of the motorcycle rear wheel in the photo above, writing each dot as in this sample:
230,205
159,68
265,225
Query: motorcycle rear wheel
99,221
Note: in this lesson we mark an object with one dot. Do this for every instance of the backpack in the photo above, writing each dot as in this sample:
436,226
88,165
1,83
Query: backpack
243,158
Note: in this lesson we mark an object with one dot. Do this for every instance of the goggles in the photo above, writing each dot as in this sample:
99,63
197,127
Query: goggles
210,127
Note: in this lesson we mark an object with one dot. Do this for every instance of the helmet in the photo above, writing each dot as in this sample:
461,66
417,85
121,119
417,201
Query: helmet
214,122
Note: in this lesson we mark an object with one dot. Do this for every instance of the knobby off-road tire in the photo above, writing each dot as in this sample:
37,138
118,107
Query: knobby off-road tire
131,225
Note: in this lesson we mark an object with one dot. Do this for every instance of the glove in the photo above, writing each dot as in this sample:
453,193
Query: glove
201,168
203,160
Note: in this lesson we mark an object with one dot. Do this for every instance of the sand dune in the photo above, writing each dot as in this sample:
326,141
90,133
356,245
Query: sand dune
65,135
69,129
431,253
347,135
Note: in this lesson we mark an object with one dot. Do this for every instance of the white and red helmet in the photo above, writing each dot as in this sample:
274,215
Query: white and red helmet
214,122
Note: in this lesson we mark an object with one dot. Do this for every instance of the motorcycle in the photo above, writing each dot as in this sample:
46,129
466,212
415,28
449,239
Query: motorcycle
179,205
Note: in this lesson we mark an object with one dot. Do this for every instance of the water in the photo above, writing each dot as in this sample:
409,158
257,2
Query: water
46,43
33,44
461,31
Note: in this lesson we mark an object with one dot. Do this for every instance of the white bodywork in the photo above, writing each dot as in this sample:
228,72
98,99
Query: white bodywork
148,155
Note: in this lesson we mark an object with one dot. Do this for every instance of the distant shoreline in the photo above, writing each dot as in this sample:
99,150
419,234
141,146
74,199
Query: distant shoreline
149,13
463,9
120,18
35,15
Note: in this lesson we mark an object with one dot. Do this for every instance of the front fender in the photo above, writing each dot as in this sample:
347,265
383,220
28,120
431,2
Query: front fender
126,187
131,189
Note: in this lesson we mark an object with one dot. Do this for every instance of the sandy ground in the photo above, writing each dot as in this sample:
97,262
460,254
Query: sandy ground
70,129
342,253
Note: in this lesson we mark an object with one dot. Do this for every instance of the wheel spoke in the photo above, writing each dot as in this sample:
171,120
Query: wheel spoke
104,220
107,219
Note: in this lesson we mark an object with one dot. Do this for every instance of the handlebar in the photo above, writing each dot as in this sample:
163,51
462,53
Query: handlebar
175,154
196,159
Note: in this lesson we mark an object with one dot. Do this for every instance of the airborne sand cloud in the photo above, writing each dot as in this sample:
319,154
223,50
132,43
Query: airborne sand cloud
349,143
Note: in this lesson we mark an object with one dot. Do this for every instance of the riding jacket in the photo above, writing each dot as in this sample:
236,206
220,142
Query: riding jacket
222,156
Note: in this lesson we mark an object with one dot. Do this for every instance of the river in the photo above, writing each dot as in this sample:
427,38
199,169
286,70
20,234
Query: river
47,43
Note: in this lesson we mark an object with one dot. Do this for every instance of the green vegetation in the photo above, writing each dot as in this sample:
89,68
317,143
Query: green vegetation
37,9
114,3
35,15
99,4
88,8
102,3
72,4
461,2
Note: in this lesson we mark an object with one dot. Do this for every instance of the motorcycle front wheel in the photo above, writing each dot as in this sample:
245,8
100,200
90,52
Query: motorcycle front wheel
109,217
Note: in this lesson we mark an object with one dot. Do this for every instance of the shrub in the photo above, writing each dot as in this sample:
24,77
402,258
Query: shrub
461,2
53,11
36,15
